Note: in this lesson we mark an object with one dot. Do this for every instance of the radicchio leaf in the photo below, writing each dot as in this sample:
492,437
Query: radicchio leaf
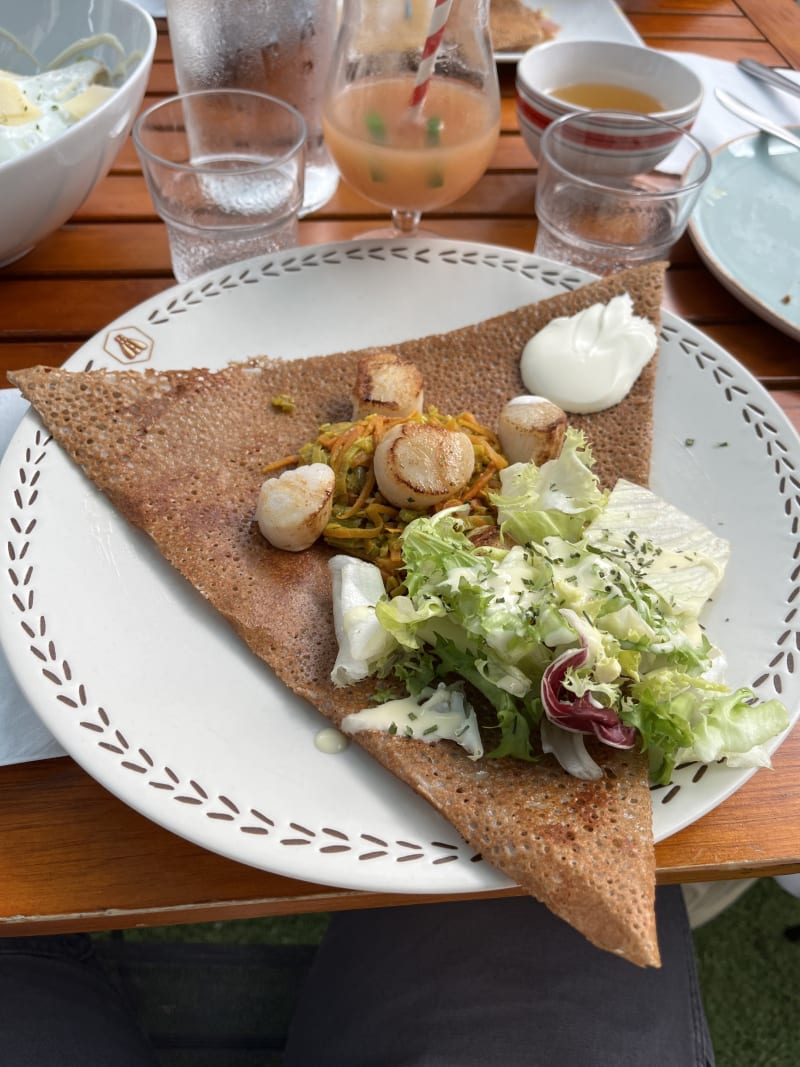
581,714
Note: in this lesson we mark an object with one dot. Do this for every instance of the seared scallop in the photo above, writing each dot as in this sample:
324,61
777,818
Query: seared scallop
419,465
531,430
294,508
386,385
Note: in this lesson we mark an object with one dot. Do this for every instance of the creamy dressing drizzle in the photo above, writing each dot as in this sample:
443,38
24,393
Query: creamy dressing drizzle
589,361
330,740
443,716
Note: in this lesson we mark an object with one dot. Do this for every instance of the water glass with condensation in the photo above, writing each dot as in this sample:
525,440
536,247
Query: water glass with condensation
279,47
225,170
607,196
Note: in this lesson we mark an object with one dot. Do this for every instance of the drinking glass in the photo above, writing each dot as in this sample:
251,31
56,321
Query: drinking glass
614,189
279,47
225,172
412,106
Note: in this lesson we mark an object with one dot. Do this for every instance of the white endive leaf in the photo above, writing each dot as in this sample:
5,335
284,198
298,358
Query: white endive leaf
569,749
357,588
677,556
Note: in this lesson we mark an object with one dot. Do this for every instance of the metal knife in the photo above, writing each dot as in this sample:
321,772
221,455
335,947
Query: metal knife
755,118
768,75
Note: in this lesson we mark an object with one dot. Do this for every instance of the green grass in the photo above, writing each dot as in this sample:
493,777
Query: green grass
749,963
748,959
280,930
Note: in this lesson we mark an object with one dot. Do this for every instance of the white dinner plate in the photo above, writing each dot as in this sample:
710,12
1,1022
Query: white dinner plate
152,693
746,226
581,20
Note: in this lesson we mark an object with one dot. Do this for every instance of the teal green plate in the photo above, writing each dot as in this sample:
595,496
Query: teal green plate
746,226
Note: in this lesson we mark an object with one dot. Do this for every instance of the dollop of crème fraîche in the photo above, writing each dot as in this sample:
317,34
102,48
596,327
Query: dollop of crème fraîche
589,361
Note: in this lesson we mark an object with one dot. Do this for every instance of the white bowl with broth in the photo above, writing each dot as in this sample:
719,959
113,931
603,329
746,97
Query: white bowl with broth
565,77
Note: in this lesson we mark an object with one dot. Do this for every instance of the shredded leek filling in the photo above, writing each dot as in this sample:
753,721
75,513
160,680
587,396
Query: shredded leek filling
363,523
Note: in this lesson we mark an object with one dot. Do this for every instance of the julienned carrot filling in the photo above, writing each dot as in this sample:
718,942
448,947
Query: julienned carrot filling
363,523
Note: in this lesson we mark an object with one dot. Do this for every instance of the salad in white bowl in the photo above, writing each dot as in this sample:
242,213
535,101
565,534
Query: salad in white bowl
72,78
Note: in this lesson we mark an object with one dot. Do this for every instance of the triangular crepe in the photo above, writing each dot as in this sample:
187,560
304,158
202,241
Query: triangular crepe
180,454
516,27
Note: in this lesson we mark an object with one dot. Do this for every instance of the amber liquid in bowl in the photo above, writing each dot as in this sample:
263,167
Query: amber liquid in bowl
606,96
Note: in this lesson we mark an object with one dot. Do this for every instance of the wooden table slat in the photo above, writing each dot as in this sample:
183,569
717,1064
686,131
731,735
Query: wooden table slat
74,856
779,22
687,8
758,50
715,27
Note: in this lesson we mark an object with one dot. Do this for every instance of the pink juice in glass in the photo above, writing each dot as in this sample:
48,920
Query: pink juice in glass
407,162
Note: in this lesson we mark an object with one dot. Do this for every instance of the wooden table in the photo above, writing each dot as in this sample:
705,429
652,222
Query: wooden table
73,856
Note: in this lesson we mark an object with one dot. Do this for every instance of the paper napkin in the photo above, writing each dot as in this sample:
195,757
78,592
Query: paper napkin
714,125
23,736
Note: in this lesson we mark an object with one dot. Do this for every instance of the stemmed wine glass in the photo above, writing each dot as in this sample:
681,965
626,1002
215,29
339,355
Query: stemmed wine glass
412,109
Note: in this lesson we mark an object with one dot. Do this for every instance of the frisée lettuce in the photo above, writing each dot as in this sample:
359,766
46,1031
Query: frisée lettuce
583,620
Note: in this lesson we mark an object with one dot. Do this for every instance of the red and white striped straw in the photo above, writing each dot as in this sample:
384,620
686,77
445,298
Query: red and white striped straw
441,12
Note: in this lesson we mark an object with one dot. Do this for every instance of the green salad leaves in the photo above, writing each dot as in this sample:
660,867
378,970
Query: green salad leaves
586,625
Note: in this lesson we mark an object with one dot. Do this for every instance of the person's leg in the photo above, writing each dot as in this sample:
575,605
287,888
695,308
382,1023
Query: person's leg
478,983
58,1008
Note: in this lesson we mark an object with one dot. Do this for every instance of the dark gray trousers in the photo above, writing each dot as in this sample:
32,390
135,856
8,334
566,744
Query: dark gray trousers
466,984
495,982
58,1008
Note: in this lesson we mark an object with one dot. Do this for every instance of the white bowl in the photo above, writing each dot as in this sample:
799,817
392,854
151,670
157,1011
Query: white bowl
557,64
46,185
